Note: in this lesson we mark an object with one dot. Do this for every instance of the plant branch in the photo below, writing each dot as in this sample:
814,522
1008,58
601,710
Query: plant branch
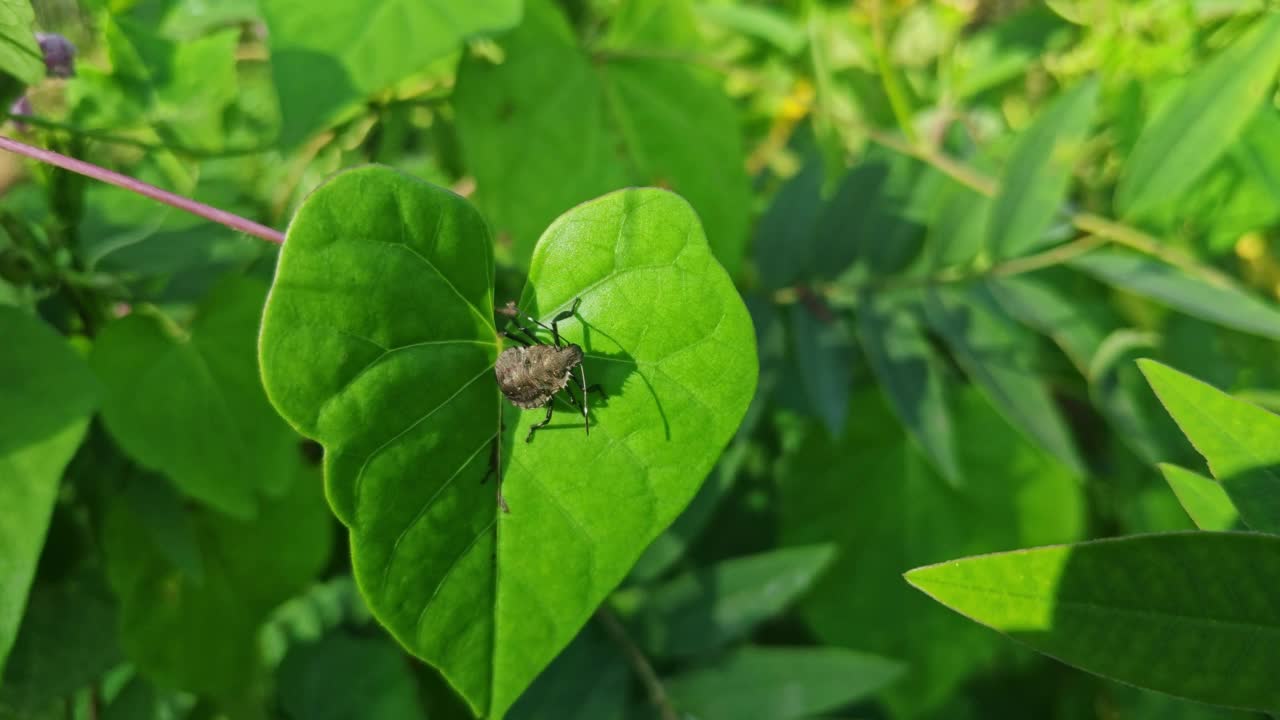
639,664
111,138
888,80
846,293
231,220
1111,230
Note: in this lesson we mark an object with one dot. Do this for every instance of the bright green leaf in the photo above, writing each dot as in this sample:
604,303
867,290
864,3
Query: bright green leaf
200,636
554,125
46,396
1188,614
389,365
1225,305
780,683
345,676
328,56
903,361
1240,441
879,498
1204,499
1201,122
1036,180
760,21
997,355
189,404
704,610
20,56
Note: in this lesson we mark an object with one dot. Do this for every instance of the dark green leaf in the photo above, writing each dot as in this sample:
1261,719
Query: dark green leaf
329,56
201,635
553,126
1203,498
824,351
1225,305
1189,614
878,497
706,609
1036,180
996,355
781,683
560,692
904,363
1201,122
347,677
189,403
785,238
1240,441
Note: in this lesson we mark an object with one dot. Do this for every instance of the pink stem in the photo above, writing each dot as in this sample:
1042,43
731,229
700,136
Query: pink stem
232,221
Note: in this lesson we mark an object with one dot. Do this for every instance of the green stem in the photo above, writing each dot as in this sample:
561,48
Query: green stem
113,139
888,78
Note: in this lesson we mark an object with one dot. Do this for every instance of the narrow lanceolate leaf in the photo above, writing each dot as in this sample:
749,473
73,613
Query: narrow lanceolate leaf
378,341
904,363
1224,305
1188,614
1203,498
1039,173
46,396
1240,441
704,610
1201,122
824,350
995,353
188,403
781,683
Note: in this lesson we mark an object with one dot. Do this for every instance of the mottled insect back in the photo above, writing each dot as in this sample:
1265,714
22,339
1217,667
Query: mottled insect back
532,374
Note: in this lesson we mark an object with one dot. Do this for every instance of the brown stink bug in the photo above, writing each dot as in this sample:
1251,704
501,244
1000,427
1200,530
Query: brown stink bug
531,374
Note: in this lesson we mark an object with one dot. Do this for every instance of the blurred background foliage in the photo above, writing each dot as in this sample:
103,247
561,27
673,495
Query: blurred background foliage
956,223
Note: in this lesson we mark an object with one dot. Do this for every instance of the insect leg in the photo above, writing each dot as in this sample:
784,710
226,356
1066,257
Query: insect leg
538,426
517,338
555,321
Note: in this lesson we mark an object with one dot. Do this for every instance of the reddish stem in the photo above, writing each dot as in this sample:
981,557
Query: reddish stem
235,222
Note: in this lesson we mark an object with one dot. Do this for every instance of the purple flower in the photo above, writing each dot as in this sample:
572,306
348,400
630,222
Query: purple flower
59,54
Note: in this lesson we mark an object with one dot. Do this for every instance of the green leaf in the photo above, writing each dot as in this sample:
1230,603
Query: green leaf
67,641
389,365
879,498
46,396
904,363
329,56
189,403
347,677
766,23
1188,614
1047,310
785,237
780,683
1224,305
704,610
1036,180
20,55
1240,441
602,121
996,355
560,692
1204,499
200,635
45,387
1201,122
824,351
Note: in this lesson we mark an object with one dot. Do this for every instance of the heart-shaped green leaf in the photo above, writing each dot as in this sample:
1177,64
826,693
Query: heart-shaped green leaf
189,404
378,342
